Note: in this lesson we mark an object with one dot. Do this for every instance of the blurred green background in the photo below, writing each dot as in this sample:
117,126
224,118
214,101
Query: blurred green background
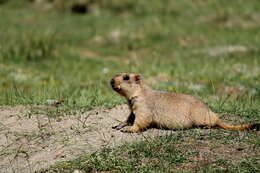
53,49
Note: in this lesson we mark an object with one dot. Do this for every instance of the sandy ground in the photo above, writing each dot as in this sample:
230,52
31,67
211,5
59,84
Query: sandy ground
30,141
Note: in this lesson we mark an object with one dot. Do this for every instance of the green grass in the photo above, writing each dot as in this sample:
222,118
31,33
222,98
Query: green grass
136,157
56,54
176,152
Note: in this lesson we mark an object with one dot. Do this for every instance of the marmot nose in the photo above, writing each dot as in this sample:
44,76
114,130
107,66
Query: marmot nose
112,82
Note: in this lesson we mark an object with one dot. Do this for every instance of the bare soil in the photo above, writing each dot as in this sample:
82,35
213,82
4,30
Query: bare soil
31,141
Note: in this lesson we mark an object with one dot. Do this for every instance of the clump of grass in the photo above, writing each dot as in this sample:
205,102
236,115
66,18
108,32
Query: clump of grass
28,47
153,154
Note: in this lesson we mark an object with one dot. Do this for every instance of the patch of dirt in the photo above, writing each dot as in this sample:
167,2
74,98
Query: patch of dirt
206,154
31,141
225,50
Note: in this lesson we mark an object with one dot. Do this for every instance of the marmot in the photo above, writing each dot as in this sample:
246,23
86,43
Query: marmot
162,109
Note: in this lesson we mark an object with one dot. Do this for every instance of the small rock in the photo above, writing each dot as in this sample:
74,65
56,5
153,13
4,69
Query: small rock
77,171
54,102
115,36
105,70
196,87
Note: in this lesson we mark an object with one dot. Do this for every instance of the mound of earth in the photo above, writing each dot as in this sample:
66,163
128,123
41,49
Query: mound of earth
32,141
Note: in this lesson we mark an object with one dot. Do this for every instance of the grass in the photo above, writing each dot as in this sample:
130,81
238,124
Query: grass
175,152
209,49
137,157
55,54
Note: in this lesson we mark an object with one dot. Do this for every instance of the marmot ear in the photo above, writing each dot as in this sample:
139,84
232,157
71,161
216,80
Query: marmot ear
138,77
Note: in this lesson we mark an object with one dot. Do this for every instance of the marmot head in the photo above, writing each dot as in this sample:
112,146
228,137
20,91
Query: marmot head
127,84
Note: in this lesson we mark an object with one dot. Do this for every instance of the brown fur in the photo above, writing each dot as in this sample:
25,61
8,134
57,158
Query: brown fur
167,110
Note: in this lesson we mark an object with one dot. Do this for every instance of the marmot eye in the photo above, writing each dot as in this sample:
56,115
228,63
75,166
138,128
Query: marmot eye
126,77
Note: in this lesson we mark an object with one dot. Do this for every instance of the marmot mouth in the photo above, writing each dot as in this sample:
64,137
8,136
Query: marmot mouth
116,89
